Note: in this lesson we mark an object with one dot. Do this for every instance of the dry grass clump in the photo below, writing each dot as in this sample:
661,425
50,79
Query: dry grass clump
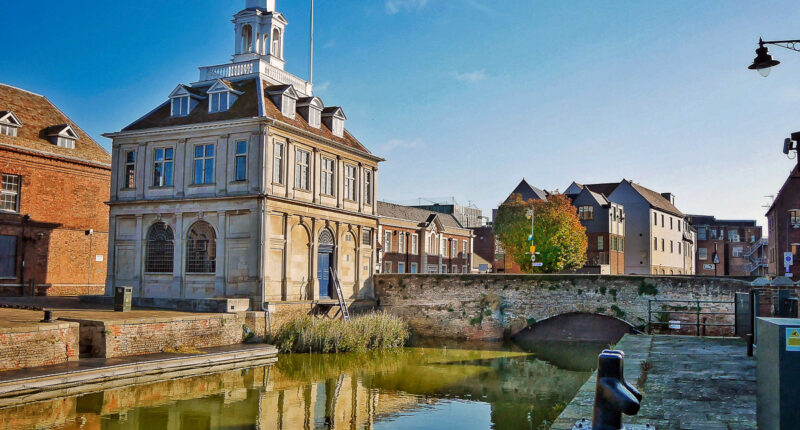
367,332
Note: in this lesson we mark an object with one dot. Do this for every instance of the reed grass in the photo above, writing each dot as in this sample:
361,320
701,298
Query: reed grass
374,331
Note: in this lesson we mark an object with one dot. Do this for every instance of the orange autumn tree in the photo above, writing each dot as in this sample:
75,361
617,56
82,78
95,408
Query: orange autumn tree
560,237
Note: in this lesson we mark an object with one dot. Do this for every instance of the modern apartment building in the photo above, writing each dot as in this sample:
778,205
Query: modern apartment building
783,219
605,229
243,184
657,236
53,216
729,247
468,216
414,240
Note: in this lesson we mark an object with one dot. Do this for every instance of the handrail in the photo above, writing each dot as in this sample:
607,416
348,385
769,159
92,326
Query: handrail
697,312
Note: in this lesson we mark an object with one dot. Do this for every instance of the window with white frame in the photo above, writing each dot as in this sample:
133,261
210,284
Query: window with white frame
180,106
794,217
414,268
414,244
204,164
130,170
443,269
599,243
387,241
162,167
738,251
443,247
277,163
65,142
366,237
387,267
8,130
401,267
586,213
301,166
464,250
9,195
349,182
368,187
454,269
401,243
464,269
328,178
220,102
454,248
702,253
240,161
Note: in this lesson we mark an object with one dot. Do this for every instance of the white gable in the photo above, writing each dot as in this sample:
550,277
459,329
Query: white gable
9,118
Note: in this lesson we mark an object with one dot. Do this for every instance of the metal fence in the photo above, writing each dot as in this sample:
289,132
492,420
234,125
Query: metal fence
666,308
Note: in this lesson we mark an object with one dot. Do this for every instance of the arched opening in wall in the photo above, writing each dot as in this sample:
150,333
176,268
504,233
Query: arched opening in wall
265,45
347,264
247,39
201,248
325,262
159,252
577,327
276,43
299,267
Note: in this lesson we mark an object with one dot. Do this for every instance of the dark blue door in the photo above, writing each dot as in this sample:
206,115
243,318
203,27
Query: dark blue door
324,274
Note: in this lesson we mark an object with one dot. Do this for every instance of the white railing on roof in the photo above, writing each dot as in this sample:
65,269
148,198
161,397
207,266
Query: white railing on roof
257,66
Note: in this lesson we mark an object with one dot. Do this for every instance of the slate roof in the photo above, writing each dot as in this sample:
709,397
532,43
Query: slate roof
245,107
605,188
656,200
528,192
421,216
38,115
794,176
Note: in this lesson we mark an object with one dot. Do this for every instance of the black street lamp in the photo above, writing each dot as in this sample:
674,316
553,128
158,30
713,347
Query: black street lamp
764,61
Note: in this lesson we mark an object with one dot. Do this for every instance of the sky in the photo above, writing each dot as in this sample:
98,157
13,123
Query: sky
464,98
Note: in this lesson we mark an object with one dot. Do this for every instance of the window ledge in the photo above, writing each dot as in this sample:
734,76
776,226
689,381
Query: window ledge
156,187
301,189
211,184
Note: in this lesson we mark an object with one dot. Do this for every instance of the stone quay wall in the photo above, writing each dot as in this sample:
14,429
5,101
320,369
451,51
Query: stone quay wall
122,338
495,306
38,345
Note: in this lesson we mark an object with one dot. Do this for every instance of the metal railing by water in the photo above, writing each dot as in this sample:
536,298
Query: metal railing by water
683,307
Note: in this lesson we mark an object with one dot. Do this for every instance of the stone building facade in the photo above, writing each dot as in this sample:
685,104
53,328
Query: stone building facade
53,217
414,240
243,184
783,219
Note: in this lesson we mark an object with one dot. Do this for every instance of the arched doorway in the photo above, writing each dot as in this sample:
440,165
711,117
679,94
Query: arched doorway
324,264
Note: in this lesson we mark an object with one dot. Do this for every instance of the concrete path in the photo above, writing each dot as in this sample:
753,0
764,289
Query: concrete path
693,383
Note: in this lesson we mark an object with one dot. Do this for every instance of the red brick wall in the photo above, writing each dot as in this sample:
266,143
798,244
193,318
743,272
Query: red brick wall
63,200
38,345
780,228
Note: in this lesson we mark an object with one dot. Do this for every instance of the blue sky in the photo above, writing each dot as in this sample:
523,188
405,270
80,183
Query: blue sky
466,97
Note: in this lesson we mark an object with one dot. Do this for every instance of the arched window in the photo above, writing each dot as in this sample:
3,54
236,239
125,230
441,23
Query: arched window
201,249
160,246
247,39
276,43
326,238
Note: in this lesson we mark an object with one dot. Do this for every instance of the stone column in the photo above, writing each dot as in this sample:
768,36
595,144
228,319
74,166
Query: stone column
359,241
287,255
138,277
375,191
313,263
177,257
339,182
111,267
220,283
289,168
141,163
315,167
179,170
221,157
360,187
116,171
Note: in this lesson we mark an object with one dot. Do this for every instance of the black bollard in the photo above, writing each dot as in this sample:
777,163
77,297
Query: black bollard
48,317
613,395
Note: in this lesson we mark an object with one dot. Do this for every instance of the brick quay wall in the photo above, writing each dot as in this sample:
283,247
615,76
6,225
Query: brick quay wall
497,306
38,345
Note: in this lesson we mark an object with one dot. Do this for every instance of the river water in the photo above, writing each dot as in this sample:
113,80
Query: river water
433,385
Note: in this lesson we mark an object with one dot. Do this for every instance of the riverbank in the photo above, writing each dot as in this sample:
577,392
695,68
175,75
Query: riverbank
691,383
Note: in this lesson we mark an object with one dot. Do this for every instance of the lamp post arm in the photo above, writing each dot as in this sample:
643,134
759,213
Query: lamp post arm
786,44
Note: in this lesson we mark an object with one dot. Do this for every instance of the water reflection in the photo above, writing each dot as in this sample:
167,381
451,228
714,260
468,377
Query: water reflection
448,386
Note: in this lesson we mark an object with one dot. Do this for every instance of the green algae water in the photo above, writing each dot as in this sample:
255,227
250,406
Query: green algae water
433,385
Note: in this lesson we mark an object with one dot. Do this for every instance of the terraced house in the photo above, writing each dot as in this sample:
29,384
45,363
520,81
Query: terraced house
243,184
414,240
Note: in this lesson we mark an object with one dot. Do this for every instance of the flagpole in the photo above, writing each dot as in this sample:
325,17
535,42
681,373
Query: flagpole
311,59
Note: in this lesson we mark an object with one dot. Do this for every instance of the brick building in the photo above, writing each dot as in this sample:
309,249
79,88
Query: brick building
414,240
605,230
53,217
728,247
243,185
783,219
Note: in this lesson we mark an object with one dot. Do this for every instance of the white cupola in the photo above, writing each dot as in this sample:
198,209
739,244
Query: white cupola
259,33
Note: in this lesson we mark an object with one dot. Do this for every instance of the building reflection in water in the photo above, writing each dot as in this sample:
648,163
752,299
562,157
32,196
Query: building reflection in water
349,391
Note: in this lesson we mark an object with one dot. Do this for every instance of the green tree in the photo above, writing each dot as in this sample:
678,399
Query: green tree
560,238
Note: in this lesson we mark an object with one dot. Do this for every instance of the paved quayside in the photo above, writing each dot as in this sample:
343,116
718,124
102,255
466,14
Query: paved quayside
693,383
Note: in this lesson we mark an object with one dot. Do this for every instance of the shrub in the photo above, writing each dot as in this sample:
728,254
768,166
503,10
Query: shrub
367,332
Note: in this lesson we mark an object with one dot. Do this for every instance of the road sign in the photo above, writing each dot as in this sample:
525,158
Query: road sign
533,257
538,264
788,259
533,249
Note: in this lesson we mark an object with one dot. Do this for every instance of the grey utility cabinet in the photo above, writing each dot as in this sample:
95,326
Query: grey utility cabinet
778,373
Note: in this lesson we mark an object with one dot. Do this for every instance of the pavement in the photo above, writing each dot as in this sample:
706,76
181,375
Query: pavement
72,308
693,383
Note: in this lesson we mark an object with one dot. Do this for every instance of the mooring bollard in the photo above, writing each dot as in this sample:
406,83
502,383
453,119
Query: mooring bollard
48,317
613,396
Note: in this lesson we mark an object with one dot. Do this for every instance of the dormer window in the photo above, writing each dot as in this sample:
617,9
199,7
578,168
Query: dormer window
9,123
311,109
182,102
221,96
62,135
285,97
334,118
